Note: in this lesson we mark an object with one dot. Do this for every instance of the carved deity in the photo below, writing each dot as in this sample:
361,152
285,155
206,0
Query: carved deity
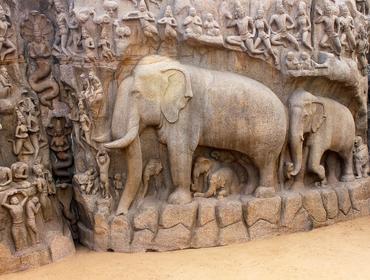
170,24
74,38
283,23
211,26
193,24
93,92
5,176
16,211
103,161
43,189
106,23
32,208
303,25
331,23
5,85
245,29
361,158
22,144
347,27
62,21
362,49
6,45
85,123
263,30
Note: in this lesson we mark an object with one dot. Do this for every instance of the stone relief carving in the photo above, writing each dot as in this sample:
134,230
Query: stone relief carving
142,120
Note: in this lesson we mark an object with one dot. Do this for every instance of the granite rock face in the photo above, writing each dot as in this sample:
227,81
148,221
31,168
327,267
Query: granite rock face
162,125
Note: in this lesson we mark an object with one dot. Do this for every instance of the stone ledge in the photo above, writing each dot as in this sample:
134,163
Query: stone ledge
209,222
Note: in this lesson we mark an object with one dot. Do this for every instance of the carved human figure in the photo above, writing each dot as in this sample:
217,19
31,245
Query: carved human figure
303,23
347,27
32,208
361,158
193,24
152,169
62,22
362,6
74,39
5,85
263,34
245,29
118,183
331,23
106,36
307,63
211,26
43,189
283,23
6,45
103,161
110,8
96,95
85,123
362,49
170,24
5,176
16,211
122,37
20,171
86,181
22,143
222,182
291,61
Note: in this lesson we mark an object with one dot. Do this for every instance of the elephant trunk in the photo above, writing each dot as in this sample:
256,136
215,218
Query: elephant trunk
134,173
296,144
132,132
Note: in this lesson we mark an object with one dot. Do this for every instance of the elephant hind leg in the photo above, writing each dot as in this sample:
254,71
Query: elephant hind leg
347,170
267,178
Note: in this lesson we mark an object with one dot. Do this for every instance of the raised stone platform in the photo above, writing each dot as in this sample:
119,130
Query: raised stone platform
156,226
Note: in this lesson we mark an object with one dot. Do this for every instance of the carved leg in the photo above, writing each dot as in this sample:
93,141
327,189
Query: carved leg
365,170
267,178
293,40
358,169
347,172
181,175
314,166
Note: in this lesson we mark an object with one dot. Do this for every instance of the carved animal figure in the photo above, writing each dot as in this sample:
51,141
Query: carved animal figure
222,182
361,158
191,106
320,124
152,168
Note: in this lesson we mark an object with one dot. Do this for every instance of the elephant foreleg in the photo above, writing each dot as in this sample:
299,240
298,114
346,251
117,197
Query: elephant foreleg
181,175
314,166
267,179
347,173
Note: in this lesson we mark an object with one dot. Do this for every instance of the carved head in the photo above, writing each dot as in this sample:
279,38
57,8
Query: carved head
280,7
168,12
260,13
290,56
117,177
209,17
14,200
305,56
142,6
102,156
239,12
20,170
38,170
344,10
358,141
192,12
35,199
110,7
123,31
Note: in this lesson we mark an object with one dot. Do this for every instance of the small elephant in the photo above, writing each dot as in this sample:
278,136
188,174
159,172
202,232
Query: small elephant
203,166
319,124
222,182
152,168
361,158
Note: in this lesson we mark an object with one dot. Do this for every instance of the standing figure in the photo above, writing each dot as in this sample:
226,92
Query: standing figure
22,144
246,31
15,207
118,183
303,25
85,123
263,34
61,37
106,36
96,97
5,84
43,189
193,24
88,45
362,49
103,160
32,208
33,125
74,39
170,25
6,46
331,23
347,27
211,27
283,23
362,6
361,158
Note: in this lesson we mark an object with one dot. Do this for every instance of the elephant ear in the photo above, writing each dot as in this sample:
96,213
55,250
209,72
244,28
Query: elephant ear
318,116
177,92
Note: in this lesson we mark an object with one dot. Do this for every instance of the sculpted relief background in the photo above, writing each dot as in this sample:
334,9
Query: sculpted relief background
161,125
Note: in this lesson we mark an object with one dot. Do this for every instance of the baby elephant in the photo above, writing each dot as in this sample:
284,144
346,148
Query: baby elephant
222,182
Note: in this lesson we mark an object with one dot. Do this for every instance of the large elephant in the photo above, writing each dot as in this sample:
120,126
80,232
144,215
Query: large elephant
191,106
323,124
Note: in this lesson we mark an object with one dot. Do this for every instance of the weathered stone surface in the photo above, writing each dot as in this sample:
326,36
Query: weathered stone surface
330,201
291,204
312,202
120,234
173,215
142,240
34,258
234,233
101,232
344,200
359,196
147,218
206,235
263,229
7,261
206,210
228,212
61,247
177,237
267,209
85,235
